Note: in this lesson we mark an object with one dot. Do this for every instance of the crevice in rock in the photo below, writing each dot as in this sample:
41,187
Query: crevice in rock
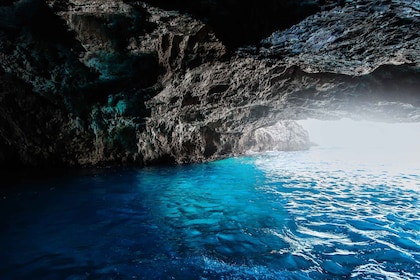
237,23
155,82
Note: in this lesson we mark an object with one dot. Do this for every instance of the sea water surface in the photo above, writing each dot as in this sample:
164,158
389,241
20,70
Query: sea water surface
317,214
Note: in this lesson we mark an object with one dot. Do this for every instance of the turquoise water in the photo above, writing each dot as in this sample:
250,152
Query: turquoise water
291,215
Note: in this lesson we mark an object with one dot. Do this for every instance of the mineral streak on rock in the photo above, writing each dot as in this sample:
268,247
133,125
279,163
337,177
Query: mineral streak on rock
133,82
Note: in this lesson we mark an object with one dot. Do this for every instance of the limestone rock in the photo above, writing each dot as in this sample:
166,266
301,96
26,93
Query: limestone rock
144,82
97,61
282,136
32,129
354,39
237,23
216,108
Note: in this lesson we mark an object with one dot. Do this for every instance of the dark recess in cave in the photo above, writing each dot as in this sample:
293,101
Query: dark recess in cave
239,23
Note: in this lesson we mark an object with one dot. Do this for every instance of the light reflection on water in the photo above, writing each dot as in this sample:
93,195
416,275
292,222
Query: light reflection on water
351,211
279,215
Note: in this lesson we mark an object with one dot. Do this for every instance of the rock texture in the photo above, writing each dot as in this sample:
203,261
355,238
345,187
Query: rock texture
237,23
132,82
377,33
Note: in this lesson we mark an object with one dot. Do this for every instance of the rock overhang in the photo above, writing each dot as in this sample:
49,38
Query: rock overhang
197,99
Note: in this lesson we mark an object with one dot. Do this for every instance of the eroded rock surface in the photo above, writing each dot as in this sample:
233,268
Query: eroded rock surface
353,40
130,82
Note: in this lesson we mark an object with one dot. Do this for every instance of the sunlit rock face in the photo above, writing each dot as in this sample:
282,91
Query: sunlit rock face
282,136
138,83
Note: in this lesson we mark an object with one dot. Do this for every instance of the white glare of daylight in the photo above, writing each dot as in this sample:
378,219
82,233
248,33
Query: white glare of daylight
365,141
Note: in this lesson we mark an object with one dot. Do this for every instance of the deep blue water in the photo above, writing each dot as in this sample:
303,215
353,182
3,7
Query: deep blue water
292,215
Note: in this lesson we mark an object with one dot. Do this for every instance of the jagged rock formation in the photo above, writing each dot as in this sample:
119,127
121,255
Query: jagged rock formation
132,82
237,23
377,33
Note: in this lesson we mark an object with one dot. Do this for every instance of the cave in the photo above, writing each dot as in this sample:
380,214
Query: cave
209,139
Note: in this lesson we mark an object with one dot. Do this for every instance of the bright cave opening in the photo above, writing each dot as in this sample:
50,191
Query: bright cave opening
363,143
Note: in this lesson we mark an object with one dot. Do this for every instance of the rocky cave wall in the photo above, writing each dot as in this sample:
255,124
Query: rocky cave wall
133,82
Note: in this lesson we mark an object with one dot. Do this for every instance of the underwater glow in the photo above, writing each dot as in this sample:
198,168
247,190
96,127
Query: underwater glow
325,213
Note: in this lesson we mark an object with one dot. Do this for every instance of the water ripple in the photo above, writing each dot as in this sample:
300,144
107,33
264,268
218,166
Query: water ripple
272,216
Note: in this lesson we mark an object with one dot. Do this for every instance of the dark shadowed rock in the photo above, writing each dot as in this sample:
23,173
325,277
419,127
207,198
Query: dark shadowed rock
237,23
129,82
31,127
